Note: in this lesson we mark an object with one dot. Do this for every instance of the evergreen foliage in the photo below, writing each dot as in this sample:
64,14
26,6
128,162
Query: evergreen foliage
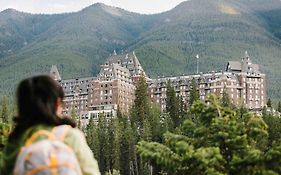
279,106
166,44
217,141
92,137
225,100
194,92
173,104
103,152
274,128
73,114
269,103
4,114
141,108
5,130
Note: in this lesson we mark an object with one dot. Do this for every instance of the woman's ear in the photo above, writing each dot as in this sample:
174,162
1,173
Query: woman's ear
58,107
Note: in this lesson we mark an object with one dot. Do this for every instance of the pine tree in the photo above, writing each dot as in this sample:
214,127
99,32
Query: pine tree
225,100
4,111
182,108
128,164
144,125
155,123
92,137
141,107
117,142
5,130
103,153
73,114
269,103
194,93
173,104
111,132
218,142
279,106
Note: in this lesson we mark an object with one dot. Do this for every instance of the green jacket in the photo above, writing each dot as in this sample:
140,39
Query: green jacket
74,138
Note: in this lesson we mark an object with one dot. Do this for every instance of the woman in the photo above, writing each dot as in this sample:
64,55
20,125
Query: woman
39,101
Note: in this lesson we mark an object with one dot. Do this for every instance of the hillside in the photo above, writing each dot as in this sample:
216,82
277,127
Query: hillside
166,43
218,31
78,44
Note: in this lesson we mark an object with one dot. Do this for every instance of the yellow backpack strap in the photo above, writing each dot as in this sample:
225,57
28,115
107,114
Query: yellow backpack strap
60,131
39,133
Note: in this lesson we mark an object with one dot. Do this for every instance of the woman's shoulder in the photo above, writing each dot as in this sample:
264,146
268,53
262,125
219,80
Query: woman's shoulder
69,135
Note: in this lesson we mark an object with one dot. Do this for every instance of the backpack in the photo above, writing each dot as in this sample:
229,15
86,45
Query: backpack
48,156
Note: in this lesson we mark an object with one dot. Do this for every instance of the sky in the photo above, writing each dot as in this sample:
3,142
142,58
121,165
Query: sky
60,6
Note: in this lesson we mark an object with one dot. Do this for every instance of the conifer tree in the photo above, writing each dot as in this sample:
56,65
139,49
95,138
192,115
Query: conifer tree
102,155
155,123
173,104
141,107
127,155
225,100
73,114
92,137
146,135
182,108
269,103
111,132
4,111
194,93
279,106
219,142
264,111
118,131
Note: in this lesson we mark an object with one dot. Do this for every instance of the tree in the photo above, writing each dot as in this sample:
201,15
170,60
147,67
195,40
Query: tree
102,154
73,114
218,142
242,110
128,160
279,106
5,130
274,128
194,93
112,140
92,137
225,100
114,172
155,123
4,114
173,104
269,103
141,107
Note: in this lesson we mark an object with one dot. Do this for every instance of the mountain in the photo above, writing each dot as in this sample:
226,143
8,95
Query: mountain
77,42
166,43
217,30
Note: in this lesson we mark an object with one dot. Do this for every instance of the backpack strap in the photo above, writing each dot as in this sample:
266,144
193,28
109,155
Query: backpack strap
39,133
57,133
60,131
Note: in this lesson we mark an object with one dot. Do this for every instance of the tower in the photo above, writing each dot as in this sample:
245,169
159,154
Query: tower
54,73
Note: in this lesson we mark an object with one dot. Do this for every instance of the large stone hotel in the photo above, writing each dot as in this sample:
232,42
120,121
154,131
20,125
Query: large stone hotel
115,85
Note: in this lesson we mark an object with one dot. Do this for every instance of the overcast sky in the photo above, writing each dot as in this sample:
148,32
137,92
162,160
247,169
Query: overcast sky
60,6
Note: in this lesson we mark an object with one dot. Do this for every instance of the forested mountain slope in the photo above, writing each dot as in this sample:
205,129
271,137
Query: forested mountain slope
166,43
217,30
78,44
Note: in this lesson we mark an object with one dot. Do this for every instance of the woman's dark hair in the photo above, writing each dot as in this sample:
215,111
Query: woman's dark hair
36,100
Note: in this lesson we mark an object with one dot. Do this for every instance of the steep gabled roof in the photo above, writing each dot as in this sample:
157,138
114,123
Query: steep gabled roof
233,66
55,73
128,60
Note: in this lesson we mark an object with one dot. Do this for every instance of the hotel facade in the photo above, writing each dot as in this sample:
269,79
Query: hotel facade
115,85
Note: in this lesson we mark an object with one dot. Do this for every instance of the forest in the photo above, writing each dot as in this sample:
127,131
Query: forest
210,137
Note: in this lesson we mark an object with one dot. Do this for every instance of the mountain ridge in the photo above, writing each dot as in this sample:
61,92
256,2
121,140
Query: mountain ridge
166,43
